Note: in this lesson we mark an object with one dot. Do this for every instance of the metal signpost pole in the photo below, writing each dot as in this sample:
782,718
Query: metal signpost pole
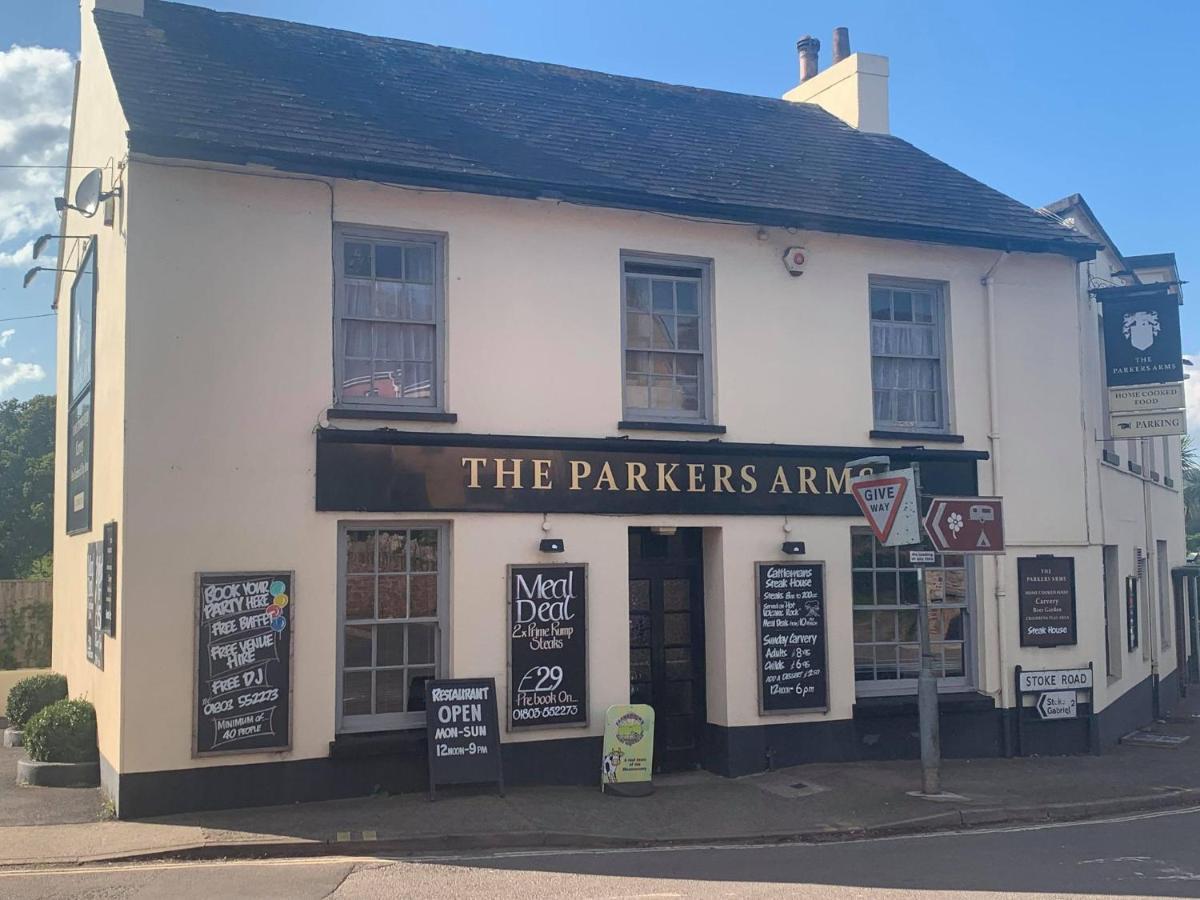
891,536
927,698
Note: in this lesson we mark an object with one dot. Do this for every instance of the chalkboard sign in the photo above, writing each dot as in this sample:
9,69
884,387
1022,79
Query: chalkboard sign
547,650
244,625
94,629
463,732
108,591
793,675
1046,597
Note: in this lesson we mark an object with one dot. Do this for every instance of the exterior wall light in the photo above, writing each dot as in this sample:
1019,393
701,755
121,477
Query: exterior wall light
552,545
793,548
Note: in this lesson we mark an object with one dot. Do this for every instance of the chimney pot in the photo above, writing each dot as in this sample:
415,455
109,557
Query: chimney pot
841,43
808,47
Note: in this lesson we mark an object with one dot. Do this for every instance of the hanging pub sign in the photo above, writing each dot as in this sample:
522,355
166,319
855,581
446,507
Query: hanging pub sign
243,697
547,650
417,472
94,629
1046,598
463,732
1132,627
1141,335
793,674
108,592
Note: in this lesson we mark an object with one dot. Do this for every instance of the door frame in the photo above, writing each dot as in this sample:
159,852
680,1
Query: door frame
656,571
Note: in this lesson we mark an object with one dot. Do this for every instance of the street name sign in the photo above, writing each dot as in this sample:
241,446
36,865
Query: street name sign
966,524
1055,680
1148,424
889,501
1146,398
1057,705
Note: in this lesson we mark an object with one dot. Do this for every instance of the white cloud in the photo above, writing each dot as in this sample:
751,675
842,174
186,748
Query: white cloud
35,117
13,373
1191,395
23,255
6,334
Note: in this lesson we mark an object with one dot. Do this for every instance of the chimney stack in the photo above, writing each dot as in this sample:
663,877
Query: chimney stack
808,47
841,43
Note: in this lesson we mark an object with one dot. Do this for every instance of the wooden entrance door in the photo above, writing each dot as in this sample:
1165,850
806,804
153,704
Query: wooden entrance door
666,641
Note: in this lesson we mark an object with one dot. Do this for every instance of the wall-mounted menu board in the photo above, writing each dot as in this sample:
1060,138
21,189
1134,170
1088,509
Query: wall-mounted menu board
94,630
792,653
1046,599
244,625
108,591
547,651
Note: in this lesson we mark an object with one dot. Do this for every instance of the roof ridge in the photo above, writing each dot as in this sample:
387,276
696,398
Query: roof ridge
497,57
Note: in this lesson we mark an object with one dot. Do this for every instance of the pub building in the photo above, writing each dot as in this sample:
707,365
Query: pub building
385,362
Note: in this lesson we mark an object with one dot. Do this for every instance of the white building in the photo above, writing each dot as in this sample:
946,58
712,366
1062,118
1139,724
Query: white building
384,316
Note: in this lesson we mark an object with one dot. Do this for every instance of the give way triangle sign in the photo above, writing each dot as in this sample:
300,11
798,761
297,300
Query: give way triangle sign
889,501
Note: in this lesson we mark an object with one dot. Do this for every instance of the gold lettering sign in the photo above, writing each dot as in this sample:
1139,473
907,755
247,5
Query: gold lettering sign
718,478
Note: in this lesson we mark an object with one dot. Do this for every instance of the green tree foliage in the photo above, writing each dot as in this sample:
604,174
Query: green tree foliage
26,484
1191,486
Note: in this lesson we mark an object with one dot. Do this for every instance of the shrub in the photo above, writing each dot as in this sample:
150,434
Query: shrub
63,732
31,695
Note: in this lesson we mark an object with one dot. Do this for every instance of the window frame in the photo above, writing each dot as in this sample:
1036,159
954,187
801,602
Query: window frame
903,687
706,415
941,324
404,721
89,257
342,232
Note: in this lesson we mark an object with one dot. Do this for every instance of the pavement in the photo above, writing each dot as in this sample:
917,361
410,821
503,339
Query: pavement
811,804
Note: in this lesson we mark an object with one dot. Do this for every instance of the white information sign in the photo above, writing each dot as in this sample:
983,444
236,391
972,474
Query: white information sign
1148,424
889,501
1057,705
1056,680
1146,398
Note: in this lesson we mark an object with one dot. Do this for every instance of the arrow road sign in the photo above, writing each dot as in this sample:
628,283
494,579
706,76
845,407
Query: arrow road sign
1057,705
889,501
966,524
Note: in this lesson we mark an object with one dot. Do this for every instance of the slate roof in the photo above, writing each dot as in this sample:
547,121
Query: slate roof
216,86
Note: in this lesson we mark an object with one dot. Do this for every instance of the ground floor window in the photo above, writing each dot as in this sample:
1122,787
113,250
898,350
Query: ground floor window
392,609
887,653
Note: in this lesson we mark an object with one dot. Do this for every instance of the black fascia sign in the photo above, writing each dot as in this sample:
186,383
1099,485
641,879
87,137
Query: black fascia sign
1141,339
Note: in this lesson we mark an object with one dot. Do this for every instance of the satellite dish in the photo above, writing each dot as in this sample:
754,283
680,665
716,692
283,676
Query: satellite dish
88,194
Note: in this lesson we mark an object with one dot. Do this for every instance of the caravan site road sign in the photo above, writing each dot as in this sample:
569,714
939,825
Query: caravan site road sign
966,524
889,501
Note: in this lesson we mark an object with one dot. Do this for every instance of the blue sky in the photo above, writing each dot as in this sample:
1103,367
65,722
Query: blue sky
1038,99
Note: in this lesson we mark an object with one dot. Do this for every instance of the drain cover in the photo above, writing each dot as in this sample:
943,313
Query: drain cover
1150,739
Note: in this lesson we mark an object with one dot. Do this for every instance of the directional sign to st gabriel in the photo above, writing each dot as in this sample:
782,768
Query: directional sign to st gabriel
966,524
889,501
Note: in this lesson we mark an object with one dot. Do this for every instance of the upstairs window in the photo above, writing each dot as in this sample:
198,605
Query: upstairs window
389,320
908,356
665,312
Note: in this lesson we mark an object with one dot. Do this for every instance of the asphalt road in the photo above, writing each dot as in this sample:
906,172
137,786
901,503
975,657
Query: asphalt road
1155,855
